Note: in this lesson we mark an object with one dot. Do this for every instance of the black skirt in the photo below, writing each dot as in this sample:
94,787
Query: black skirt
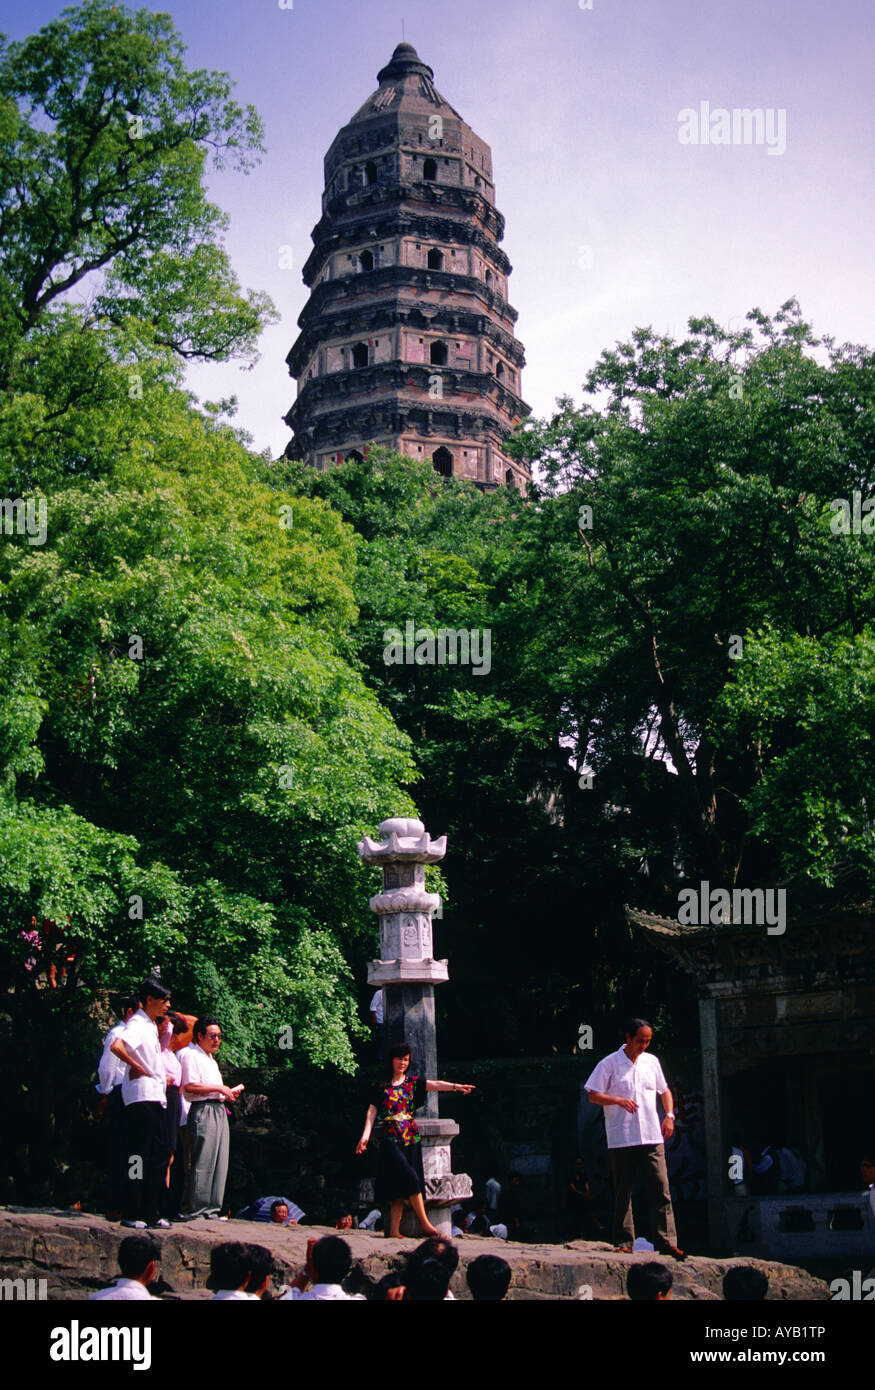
399,1171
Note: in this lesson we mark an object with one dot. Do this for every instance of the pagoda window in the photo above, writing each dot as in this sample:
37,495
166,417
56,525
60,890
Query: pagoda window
366,260
437,354
371,175
489,279
355,457
360,355
429,169
443,462
508,478
499,371
435,259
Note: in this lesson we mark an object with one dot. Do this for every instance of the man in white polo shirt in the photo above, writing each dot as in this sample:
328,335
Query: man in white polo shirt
204,1089
145,1097
626,1084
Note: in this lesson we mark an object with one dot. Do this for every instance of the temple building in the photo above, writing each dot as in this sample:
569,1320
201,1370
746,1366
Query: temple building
407,339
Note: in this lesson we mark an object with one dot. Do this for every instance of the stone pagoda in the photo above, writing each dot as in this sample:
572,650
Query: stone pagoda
407,973
407,339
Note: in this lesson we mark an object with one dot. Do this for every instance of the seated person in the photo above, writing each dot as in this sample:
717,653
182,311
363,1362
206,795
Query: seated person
345,1222
649,1283
488,1278
427,1281
269,1209
230,1270
329,1261
262,1268
744,1284
138,1258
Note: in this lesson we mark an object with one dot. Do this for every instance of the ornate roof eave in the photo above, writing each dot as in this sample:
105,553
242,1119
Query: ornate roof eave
475,412
403,221
446,319
365,201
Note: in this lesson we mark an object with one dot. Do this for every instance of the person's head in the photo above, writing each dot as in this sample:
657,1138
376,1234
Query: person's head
398,1060
138,1258
331,1260
744,1284
279,1212
230,1265
182,1031
649,1283
488,1278
479,1225
639,1035
867,1166
130,1004
436,1248
154,998
427,1281
208,1033
344,1222
261,1267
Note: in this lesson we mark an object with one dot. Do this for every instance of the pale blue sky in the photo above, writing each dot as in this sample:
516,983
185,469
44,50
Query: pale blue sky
581,110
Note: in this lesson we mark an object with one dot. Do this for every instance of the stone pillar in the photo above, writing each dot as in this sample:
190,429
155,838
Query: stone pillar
716,1154
407,973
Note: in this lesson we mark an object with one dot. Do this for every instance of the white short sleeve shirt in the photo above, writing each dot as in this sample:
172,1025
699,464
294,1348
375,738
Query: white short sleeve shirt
124,1290
200,1069
376,1006
140,1037
641,1081
111,1071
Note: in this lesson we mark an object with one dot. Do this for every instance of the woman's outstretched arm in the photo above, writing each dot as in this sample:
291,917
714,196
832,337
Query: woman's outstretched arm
449,1086
366,1132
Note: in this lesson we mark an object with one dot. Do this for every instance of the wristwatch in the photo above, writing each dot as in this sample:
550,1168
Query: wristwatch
669,1115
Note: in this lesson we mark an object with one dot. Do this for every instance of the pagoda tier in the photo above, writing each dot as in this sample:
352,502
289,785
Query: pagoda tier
407,339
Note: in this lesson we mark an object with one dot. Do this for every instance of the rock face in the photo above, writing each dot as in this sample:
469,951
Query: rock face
75,1253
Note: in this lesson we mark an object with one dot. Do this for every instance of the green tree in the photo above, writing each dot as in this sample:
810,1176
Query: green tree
708,476
104,138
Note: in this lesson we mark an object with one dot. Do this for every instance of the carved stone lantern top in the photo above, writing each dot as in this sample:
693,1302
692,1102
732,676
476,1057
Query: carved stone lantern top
403,840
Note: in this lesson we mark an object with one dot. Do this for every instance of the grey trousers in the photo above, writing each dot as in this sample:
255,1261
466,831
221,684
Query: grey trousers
208,1129
626,1164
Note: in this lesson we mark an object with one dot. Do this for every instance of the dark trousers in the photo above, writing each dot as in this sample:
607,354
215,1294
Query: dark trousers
173,1191
146,1161
649,1161
116,1150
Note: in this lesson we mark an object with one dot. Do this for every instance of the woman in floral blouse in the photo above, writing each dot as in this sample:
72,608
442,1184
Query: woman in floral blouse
399,1168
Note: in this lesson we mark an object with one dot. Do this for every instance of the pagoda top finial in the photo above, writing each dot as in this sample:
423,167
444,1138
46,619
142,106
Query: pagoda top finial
404,61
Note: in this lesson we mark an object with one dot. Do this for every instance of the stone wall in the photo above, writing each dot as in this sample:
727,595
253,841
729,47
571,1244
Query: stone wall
76,1253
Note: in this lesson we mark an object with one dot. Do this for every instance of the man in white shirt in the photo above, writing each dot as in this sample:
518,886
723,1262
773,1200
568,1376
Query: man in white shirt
626,1084
111,1113
376,1010
203,1087
144,1096
138,1258
329,1262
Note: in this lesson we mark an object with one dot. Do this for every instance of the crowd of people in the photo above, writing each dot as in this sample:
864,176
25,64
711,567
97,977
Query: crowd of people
163,1101
244,1271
